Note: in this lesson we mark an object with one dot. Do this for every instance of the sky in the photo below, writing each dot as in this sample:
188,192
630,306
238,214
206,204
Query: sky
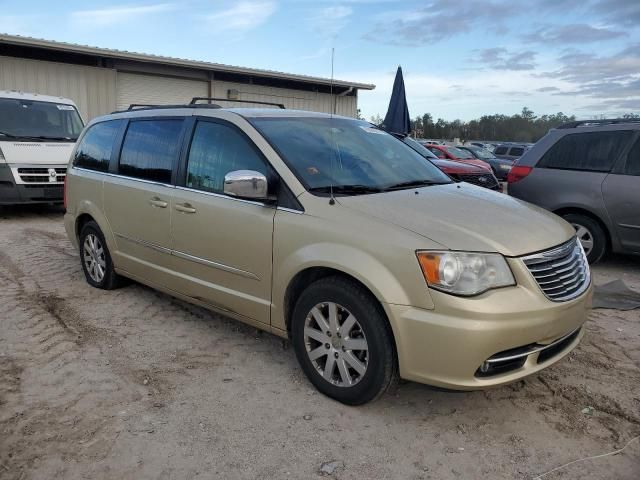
461,59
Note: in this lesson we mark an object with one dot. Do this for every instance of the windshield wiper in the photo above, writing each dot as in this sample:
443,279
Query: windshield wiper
346,189
413,183
40,137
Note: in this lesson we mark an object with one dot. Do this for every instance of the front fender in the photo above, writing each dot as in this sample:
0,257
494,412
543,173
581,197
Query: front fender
404,286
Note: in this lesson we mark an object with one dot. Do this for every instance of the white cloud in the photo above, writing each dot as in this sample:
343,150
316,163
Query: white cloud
111,16
243,16
330,20
463,97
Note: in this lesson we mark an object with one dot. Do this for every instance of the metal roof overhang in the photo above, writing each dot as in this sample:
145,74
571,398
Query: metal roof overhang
178,62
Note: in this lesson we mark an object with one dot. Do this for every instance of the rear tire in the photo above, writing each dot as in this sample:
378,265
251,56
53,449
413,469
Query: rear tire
351,359
590,234
96,259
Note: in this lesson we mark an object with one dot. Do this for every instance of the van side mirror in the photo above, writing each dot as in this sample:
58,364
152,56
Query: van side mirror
247,184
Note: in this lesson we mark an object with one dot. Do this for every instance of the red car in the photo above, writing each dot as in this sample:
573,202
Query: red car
457,170
446,152
461,172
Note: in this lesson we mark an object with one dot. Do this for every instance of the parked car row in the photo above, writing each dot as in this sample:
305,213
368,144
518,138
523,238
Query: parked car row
499,166
458,171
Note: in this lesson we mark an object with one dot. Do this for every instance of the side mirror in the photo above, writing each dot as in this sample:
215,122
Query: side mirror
246,184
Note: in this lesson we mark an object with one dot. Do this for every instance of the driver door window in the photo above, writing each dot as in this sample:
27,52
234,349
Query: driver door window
217,149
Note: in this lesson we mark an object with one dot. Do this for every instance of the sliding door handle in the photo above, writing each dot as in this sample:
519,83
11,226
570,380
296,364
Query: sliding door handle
156,202
185,208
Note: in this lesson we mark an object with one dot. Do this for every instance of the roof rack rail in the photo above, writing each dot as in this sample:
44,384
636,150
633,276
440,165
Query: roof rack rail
144,106
194,104
606,121
195,100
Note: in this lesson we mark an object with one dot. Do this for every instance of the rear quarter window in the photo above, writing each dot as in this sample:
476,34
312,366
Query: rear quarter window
94,150
588,151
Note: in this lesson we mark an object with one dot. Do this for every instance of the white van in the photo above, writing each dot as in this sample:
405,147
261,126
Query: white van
37,136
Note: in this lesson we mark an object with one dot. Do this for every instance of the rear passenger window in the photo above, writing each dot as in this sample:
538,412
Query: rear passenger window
591,151
632,166
500,150
517,151
216,150
150,149
94,151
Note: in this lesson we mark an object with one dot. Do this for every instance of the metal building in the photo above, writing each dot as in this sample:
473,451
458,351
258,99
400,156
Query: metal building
101,80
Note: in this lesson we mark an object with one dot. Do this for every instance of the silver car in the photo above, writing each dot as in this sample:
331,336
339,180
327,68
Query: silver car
588,173
510,151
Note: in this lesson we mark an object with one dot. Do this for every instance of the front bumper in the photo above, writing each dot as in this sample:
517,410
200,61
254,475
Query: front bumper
12,193
448,346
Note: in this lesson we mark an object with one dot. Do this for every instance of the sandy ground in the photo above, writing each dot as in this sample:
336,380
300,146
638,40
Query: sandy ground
133,384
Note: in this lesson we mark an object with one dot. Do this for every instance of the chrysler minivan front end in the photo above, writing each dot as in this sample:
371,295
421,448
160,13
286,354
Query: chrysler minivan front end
333,233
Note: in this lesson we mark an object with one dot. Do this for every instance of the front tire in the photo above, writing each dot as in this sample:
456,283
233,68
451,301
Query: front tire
343,341
96,259
590,234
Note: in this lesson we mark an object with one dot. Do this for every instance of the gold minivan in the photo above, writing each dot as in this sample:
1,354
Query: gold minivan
334,234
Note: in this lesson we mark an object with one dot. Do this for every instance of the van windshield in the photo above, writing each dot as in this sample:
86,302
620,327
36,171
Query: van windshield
347,156
28,120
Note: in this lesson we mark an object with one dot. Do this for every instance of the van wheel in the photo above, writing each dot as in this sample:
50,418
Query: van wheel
343,341
96,260
590,234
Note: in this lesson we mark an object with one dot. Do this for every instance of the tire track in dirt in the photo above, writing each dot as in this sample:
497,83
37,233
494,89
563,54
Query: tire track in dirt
48,340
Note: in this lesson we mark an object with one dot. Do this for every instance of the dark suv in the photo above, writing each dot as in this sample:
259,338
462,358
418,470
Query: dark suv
588,172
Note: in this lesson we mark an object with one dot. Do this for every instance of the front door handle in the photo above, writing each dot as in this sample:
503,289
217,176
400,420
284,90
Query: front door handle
185,208
156,202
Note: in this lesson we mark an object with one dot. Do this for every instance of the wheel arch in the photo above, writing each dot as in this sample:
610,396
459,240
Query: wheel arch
87,212
307,276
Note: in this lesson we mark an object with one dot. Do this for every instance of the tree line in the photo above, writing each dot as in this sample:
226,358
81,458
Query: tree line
521,127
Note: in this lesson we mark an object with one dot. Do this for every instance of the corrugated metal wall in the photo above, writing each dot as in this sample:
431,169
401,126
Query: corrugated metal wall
97,91
157,90
93,89
294,99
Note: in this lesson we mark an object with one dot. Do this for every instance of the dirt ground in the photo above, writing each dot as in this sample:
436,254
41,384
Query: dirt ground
134,384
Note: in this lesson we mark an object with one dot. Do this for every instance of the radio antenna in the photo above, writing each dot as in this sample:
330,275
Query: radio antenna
332,199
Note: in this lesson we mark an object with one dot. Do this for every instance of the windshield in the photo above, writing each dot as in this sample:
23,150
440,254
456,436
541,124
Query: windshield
483,153
350,156
418,147
31,119
459,153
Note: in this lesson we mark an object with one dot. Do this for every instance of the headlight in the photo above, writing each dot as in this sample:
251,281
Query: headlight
463,273
504,166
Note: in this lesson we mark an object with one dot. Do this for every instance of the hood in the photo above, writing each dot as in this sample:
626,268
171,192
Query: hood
456,167
466,217
474,161
50,153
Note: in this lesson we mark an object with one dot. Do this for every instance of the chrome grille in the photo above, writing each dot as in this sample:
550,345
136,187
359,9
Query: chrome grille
562,273
42,174
487,180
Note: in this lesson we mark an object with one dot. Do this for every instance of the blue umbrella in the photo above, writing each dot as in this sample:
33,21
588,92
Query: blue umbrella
397,120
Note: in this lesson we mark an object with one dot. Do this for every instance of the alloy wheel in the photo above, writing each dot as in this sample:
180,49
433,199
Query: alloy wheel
336,344
94,257
585,236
